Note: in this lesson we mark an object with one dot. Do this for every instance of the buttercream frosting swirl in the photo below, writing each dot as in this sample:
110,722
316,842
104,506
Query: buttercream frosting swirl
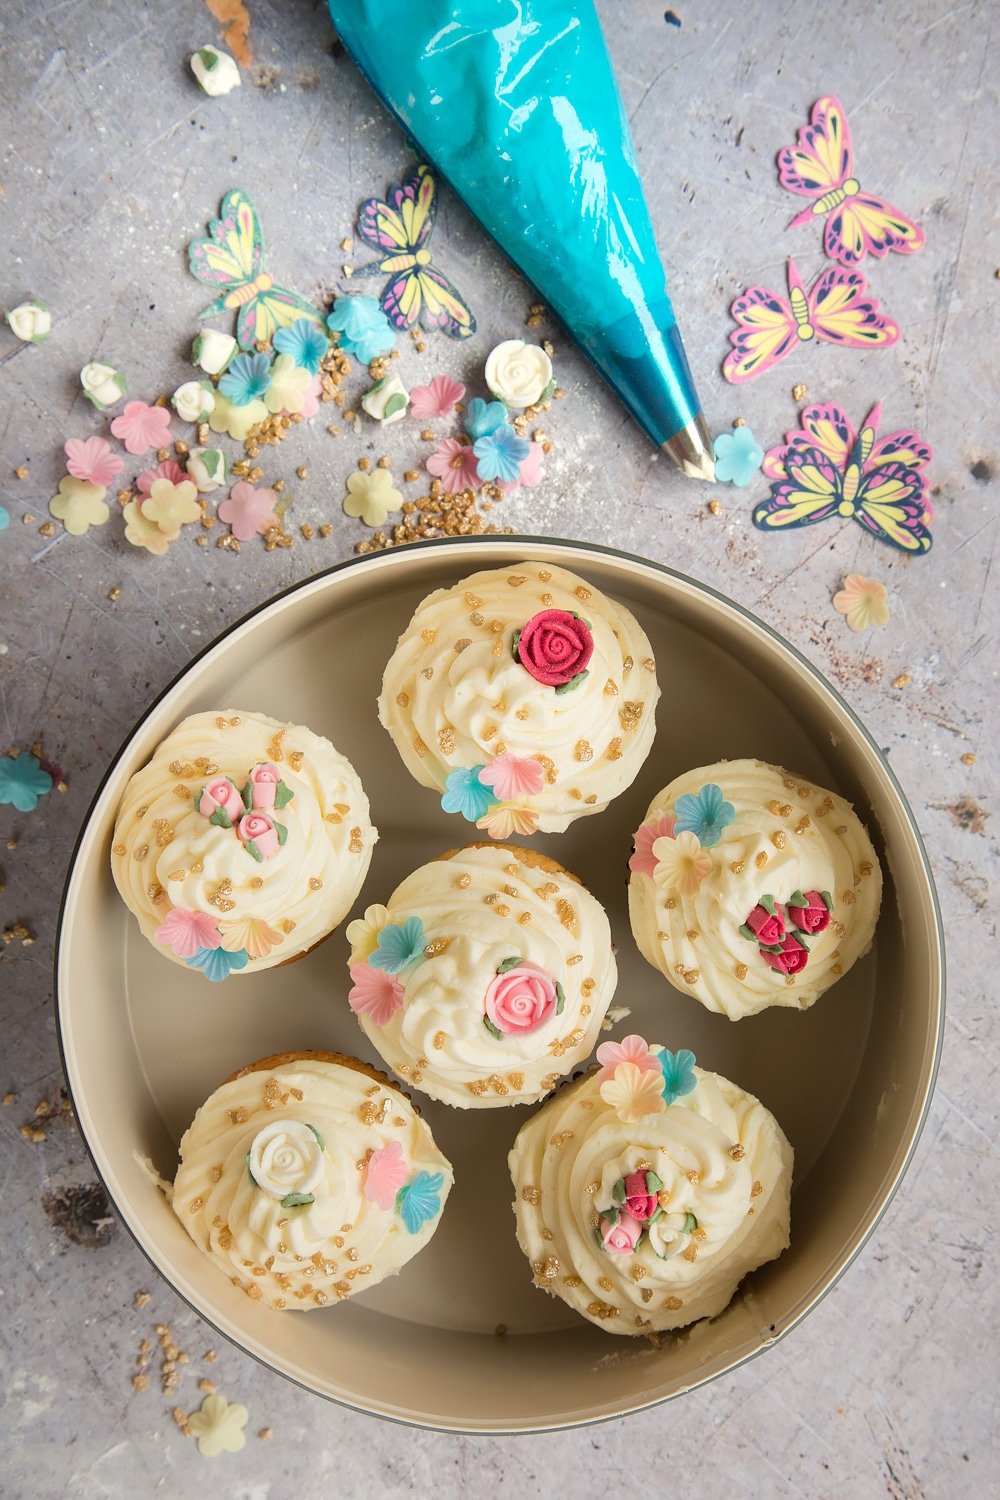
179,871
273,1181
786,836
454,696
724,1171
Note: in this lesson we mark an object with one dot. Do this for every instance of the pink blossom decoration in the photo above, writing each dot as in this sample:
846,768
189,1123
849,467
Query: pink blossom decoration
169,469
630,1049
376,994
531,471
310,397
454,464
141,426
92,459
621,1238
385,1174
521,999
248,511
643,860
510,777
221,793
185,932
258,828
263,781
436,399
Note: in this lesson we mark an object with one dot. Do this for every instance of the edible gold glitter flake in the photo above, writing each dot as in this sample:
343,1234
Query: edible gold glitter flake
427,672
837,969
118,849
516,1080
614,750
602,1310
516,579
141,852
572,1281
315,884
477,1086
476,619
461,645
431,950
740,971
575,958
802,824
156,893
692,935
673,1304
605,1283
473,600
274,750
497,1084
490,731
756,1190
184,792
164,832
531,1195
629,715
547,600
522,714
760,860
848,898
239,1116
566,913
403,699
357,842
446,740
287,925
611,688
582,751
427,636
865,867
419,747
560,1138
670,903
638,1272
464,881
588,987
778,839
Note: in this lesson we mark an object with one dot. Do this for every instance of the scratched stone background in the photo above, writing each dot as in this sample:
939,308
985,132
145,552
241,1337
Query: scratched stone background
112,160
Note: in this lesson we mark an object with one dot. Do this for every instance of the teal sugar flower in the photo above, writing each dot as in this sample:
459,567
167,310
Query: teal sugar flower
738,456
484,417
216,964
304,342
362,326
399,945
247,378
705,815
678,1074
500,454
22,780
4,519
420,1200
464,793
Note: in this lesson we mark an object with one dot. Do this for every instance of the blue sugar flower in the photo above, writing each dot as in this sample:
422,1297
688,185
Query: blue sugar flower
22,780
304,342
678,1074
4,519
420,1200
464,793
738,456
500,454
247,378
364,329
484,417
399,945
705,815
216,963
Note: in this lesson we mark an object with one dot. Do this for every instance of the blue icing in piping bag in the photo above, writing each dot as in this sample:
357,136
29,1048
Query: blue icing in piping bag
515,103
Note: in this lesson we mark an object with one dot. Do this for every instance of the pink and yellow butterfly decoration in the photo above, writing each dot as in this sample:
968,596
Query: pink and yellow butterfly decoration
399,228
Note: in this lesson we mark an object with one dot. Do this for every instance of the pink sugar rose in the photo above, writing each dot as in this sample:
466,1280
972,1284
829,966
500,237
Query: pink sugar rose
520,1000
185,932
510,777
264,780
792,958
258,828
220,792
640,1202
376,994
621,1238
643,861
767,925
385,1174
554,646
811,916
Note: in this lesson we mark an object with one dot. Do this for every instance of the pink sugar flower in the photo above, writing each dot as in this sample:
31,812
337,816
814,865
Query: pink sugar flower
454,464
141,426
621,1238
643,860
310,397
377,994
263,779
167,470
385,1174
92,459
630,1049
531,471
185,932
510,777
248,511
220,793
257,829
436,399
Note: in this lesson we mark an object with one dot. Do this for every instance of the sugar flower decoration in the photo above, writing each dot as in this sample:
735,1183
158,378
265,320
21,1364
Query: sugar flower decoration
207,469
621,1234
399,946
633,1092
172,505
103,385
438,398
92,459
141,427
246,379
376,994
363,932
678,1074
500,454
287,389
464,793
484,417
510,776
738,456
420,1200
216,963
185,933
213,350
193,401
140,531
643,861
215,70
454,463
31,322
519,374
530,473
386,401
362,326
371,495
863,601
226,416
706,815
248,511
384,1175
169,469
79,505
631,1049
22,781
304,342
251,934
4,518
218,1426
311,397
503,822
681,864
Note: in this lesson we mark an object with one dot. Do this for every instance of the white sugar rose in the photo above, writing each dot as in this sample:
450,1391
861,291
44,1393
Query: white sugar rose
215,70
518,374
103,385
286,1157
31,322
207,468
192,401
387,400
212,351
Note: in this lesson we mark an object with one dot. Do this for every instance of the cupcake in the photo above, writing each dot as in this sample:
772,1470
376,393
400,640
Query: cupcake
308,1177
485,978
646,1191
523,696
242,843
752,887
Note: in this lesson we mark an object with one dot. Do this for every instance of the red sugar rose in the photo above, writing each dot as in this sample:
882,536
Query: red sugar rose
554,646
792,957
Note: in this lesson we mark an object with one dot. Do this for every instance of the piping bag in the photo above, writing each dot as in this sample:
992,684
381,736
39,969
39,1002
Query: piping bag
516,104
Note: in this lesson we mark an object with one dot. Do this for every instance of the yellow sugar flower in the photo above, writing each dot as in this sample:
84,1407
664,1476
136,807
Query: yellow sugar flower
252,934
681,864
502,822
218,1426
79,505
363,933
172,506
371,496
863,601
236,420
142,532
288,384
633,1092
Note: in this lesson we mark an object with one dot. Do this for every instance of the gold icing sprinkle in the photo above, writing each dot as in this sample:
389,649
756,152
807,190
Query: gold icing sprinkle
778,839
531,1194
629,715
611,688
461,645
357,842
761,859
583,751
614,750
740,971
403,699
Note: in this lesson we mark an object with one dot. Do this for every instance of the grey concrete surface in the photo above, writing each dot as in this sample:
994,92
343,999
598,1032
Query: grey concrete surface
112,161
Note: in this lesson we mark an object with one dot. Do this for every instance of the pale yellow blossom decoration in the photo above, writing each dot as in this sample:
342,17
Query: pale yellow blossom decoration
79,505
288,383
252,934
371,496
171,506
142,532
235,420
218,1426
863,601
502,822
681,864
633,1092
363,933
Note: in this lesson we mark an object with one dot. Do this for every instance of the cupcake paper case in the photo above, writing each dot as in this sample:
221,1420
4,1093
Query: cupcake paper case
242,843
523,696
752,887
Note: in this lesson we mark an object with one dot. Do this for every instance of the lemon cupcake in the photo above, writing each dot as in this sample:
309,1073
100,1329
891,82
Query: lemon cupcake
309,1177
645,1192
524,696
242,843
752,887
486,976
